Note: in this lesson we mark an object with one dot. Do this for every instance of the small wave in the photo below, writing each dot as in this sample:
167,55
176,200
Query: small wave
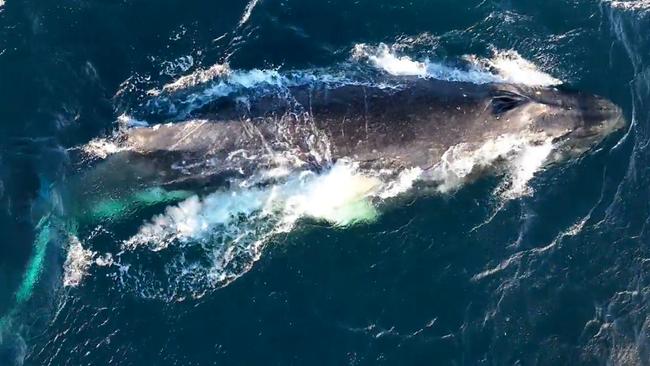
220,80
382,57
503,67
198,77
511,67
193,91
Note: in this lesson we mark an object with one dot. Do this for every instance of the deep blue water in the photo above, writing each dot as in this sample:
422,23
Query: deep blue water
560,276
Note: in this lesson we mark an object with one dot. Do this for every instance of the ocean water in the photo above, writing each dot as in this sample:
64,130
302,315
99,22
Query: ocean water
535,265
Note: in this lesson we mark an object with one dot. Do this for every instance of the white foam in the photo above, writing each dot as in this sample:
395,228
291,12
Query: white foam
195,90
522,157
180,65
404,182
248,12
198,77
126,121
635,5
338,196
226,80
528,161
232,226
382,57
195,218
503,67
460,162
77,263
105,260
511,67
101,148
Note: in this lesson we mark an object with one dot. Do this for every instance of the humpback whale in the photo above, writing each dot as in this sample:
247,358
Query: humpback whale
413,125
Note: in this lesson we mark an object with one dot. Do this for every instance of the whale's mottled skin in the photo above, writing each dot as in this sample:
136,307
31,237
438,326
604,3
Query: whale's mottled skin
395,128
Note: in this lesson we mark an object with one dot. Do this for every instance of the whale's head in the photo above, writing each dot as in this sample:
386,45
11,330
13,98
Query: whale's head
574,121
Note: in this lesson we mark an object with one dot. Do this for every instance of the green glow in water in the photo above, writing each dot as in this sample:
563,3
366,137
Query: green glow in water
356,213
156,195
35,265
108,208
118,208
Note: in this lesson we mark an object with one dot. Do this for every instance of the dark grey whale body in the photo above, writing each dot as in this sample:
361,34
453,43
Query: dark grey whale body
380,128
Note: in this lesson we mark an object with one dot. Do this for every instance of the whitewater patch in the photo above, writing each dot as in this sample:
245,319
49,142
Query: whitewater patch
210,241
221,80
339,197
198,77
504,67
384,58
102,147
511,67
521,155
195,90
77,263
634,5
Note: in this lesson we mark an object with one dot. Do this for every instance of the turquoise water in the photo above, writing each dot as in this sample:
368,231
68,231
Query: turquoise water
322,275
